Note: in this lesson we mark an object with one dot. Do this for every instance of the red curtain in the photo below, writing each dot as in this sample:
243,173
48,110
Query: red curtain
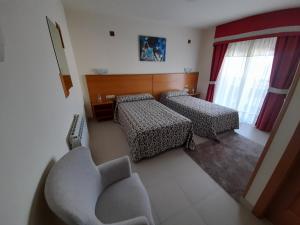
286,58
218,56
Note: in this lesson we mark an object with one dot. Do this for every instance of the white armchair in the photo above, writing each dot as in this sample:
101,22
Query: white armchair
81,193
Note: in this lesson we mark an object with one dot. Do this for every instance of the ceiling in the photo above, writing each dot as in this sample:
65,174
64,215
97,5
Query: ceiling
194,13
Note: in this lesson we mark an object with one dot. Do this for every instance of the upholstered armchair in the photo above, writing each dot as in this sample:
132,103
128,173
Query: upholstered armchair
81,193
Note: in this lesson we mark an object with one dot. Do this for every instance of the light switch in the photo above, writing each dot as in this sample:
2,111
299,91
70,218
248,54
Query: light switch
101,70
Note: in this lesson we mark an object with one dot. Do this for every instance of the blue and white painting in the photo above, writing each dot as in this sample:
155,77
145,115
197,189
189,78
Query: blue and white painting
152,49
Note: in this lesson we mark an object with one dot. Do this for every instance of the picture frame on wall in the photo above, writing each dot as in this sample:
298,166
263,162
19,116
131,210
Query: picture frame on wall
152,49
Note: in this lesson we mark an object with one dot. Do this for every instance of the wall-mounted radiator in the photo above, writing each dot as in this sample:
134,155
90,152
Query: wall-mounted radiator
78,134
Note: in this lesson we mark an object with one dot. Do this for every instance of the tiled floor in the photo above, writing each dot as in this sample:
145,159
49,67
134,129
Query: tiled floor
253,134
181,193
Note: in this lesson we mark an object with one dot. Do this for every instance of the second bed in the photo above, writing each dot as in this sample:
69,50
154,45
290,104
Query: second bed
208,118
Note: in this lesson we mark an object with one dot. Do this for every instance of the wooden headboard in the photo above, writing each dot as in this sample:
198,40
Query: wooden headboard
102,85
117,85
177,81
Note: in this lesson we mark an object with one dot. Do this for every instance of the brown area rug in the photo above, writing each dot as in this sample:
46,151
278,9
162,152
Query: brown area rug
230,162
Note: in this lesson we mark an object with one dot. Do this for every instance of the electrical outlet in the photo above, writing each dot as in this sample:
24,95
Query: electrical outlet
110,97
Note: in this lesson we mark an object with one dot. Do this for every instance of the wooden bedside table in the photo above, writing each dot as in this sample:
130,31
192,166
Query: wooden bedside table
196,94
103,110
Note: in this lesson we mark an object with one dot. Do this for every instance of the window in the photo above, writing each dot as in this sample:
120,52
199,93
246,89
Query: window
244,77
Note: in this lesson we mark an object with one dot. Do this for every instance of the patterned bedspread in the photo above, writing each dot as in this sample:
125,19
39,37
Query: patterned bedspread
152,128
208,119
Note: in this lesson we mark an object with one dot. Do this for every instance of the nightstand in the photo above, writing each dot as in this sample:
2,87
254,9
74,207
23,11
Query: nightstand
103,110
196,94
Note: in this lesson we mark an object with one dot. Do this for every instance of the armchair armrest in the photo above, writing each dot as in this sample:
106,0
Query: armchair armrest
141,220
115,170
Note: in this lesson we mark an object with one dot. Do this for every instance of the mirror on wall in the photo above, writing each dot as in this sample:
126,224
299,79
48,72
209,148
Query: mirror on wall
58,46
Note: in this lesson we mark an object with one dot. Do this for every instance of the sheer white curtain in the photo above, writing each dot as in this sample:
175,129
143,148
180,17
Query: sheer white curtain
244,77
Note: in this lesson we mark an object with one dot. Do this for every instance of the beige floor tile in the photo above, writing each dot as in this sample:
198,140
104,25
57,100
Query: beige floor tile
151,173
220,208
197,186
186,217
167,199
107,141
250,132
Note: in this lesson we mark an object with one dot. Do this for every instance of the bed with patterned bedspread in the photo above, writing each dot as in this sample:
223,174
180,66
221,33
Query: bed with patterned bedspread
208,118
151,127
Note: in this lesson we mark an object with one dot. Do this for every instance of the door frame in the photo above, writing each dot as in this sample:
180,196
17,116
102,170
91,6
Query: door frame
285,163
281,171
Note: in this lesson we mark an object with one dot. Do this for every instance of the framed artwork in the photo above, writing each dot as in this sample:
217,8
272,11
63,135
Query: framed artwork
152,49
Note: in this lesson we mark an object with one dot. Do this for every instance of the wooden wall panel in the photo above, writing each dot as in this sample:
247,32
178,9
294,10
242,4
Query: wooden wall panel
138,83
177,81
117,85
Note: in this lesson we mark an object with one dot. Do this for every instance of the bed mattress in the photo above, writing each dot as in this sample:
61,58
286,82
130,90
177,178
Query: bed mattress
208,118
152,128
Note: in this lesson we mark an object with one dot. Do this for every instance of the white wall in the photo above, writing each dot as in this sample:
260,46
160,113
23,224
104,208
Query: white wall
205,59
35,116
94,48
279,144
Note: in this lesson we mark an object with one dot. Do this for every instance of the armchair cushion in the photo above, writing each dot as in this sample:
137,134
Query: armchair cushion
114,170
124,200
